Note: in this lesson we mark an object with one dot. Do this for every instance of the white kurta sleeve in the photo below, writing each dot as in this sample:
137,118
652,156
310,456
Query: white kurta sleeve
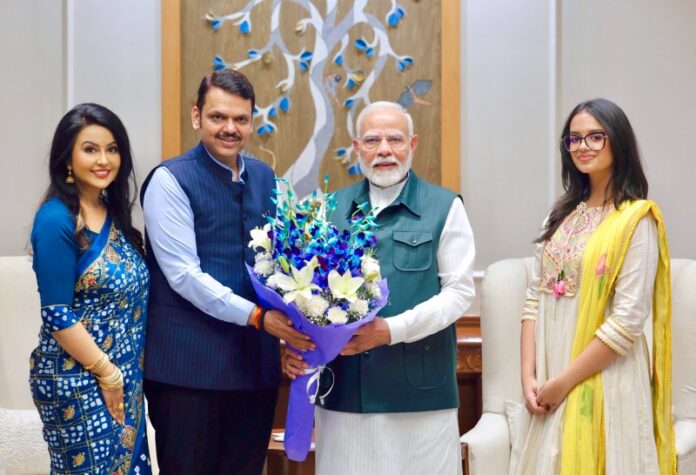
633,295
455,260
531,303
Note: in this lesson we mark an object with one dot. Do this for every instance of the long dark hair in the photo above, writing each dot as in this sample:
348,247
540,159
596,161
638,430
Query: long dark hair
117,195
627,180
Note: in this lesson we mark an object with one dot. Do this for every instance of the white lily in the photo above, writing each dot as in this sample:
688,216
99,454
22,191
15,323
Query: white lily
299,284
259,238
344,286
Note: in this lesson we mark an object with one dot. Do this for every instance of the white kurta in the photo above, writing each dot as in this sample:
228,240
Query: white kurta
629,441
415,442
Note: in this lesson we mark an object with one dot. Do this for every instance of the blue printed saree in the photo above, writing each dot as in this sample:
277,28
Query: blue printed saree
110,301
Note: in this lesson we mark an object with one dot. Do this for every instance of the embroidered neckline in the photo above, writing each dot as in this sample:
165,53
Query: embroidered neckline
562,253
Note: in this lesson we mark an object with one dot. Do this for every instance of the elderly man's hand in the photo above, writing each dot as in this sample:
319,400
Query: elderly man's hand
374,334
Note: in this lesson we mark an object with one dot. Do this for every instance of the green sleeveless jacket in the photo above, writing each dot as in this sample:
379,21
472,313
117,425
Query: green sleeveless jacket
404,377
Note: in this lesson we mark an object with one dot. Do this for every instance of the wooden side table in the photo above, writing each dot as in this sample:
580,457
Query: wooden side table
277,463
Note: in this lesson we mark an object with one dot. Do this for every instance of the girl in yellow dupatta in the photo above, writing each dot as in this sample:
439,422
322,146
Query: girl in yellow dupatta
601,411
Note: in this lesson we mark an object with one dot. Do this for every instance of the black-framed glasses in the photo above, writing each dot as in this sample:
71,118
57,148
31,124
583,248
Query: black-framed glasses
374,141
595,141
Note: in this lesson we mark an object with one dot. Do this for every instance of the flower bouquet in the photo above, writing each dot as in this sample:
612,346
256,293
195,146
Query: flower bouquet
325,280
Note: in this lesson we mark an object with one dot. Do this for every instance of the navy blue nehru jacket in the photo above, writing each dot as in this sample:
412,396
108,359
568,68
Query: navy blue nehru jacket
185,346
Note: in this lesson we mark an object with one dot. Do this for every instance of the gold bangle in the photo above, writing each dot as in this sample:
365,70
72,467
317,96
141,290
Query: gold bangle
112,381
111,377
115,385
99,365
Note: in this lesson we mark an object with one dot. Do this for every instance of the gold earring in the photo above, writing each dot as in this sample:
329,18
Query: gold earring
69,179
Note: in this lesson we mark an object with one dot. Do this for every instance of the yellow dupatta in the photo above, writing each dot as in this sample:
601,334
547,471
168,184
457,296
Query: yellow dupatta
582,451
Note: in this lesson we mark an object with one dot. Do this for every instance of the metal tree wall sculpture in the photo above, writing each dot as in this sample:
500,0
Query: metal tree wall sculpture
311,63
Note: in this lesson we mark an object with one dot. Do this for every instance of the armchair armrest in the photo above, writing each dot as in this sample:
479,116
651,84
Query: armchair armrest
685,435
22,446
489,445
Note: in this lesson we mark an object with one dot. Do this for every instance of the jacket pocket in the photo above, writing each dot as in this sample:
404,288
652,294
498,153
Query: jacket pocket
413,250
423,362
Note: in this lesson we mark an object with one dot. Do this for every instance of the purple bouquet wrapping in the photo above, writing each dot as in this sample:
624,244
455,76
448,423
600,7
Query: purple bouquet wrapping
329,341
326,281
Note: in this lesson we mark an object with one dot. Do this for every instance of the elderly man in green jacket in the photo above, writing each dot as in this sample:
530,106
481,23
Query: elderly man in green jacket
393,405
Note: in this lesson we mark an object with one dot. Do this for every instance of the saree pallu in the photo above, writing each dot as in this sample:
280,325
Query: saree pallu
110,301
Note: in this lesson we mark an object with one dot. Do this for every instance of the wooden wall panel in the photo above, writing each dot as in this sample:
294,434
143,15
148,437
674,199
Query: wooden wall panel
429,33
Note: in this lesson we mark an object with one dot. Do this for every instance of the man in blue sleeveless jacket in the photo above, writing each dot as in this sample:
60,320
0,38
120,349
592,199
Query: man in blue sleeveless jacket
212,363
393,405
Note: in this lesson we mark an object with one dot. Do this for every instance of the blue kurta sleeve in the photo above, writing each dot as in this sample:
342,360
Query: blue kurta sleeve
55,259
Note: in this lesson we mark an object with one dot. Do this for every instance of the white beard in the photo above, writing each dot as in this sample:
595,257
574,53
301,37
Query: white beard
386,178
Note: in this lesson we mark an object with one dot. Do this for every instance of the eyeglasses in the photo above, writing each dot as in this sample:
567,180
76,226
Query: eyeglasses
373,141
595,141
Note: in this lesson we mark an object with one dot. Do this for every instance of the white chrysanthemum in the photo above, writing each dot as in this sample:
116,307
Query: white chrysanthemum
264,267
263,256
337,315
302,302
374,290
316,306
359,307
370,269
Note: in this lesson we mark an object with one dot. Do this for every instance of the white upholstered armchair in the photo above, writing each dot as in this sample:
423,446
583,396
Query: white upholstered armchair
502,296
22,448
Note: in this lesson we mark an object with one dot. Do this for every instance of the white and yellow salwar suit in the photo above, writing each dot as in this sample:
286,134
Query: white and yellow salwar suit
616,267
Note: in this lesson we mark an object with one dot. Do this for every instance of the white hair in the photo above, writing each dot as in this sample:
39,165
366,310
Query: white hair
379,105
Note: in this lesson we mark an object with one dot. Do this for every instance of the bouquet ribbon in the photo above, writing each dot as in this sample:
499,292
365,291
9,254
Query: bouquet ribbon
316,374
329,341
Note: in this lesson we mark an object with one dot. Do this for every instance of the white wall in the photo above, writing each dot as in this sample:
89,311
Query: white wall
527,64
643,57
507,175
58,54
32,98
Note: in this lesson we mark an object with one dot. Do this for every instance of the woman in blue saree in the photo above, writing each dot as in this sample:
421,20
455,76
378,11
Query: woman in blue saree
86,372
